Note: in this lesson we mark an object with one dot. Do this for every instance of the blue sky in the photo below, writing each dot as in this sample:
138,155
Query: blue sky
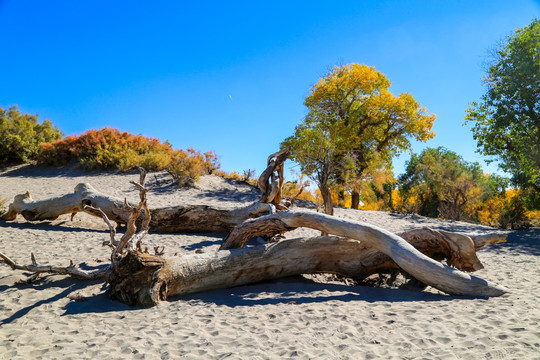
232,76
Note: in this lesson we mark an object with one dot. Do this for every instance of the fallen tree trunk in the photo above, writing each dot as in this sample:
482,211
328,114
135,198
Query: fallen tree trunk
145,279
421,267
52,208
188,218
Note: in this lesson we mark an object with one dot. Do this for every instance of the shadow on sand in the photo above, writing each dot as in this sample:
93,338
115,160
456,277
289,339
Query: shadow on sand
521,241
48,226
294,290
38,171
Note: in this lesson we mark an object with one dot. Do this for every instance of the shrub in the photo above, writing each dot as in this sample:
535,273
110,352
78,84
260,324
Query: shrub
21,136
107,148
514,215
187,165
110,148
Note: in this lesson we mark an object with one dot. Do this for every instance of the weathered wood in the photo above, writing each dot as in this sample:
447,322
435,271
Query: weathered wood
51,208
423,268
71,270
271,180
488,239
188,218
203,218
146,279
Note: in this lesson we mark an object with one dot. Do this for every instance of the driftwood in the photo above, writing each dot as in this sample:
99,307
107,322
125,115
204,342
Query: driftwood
181,218
409,259
139,278
271,180
148,279
188,218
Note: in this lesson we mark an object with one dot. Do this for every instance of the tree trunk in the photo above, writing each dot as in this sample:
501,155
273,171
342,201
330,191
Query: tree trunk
327,199
355,199
405,255
189,218
203,218
341,198
271,180
144,279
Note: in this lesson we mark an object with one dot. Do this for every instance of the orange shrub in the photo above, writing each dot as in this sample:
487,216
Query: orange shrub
187,165
107,148
110,148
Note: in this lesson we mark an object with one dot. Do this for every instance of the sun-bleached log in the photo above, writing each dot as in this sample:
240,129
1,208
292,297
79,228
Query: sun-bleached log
147,279
203,218
181,218
423,268
488,239
142,279
51,208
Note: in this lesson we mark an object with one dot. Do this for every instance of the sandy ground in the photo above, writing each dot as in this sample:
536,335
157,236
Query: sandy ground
288,318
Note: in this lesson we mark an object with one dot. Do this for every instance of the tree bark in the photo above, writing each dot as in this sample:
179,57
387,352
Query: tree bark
355,199
341,198
423,268
271,180
327,199
189,218
146,279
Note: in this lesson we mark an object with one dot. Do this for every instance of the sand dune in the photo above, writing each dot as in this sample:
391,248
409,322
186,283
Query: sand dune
293,317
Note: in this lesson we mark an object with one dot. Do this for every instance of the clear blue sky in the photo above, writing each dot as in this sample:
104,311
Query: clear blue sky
231,76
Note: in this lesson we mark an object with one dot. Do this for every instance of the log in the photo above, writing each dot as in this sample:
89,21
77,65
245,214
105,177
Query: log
144,279
188,218
423,268
203,218
51,208
147,279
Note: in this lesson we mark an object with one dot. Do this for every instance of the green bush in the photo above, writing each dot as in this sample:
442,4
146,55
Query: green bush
21,136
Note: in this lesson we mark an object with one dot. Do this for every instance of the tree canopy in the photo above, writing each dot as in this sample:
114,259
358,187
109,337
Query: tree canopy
439,183
507,118
21,134
353,120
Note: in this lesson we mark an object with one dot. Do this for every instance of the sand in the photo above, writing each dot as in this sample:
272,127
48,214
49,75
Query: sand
60,318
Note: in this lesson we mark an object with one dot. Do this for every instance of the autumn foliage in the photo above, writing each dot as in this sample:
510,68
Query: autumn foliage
110,148
354,122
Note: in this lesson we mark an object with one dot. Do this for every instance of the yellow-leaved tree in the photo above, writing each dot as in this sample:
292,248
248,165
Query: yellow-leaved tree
354,120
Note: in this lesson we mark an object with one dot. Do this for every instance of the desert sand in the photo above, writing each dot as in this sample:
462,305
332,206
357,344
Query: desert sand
60,318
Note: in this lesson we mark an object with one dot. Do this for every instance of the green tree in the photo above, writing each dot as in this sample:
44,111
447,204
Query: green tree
315,146
354,120
442,184
21,135
507,118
